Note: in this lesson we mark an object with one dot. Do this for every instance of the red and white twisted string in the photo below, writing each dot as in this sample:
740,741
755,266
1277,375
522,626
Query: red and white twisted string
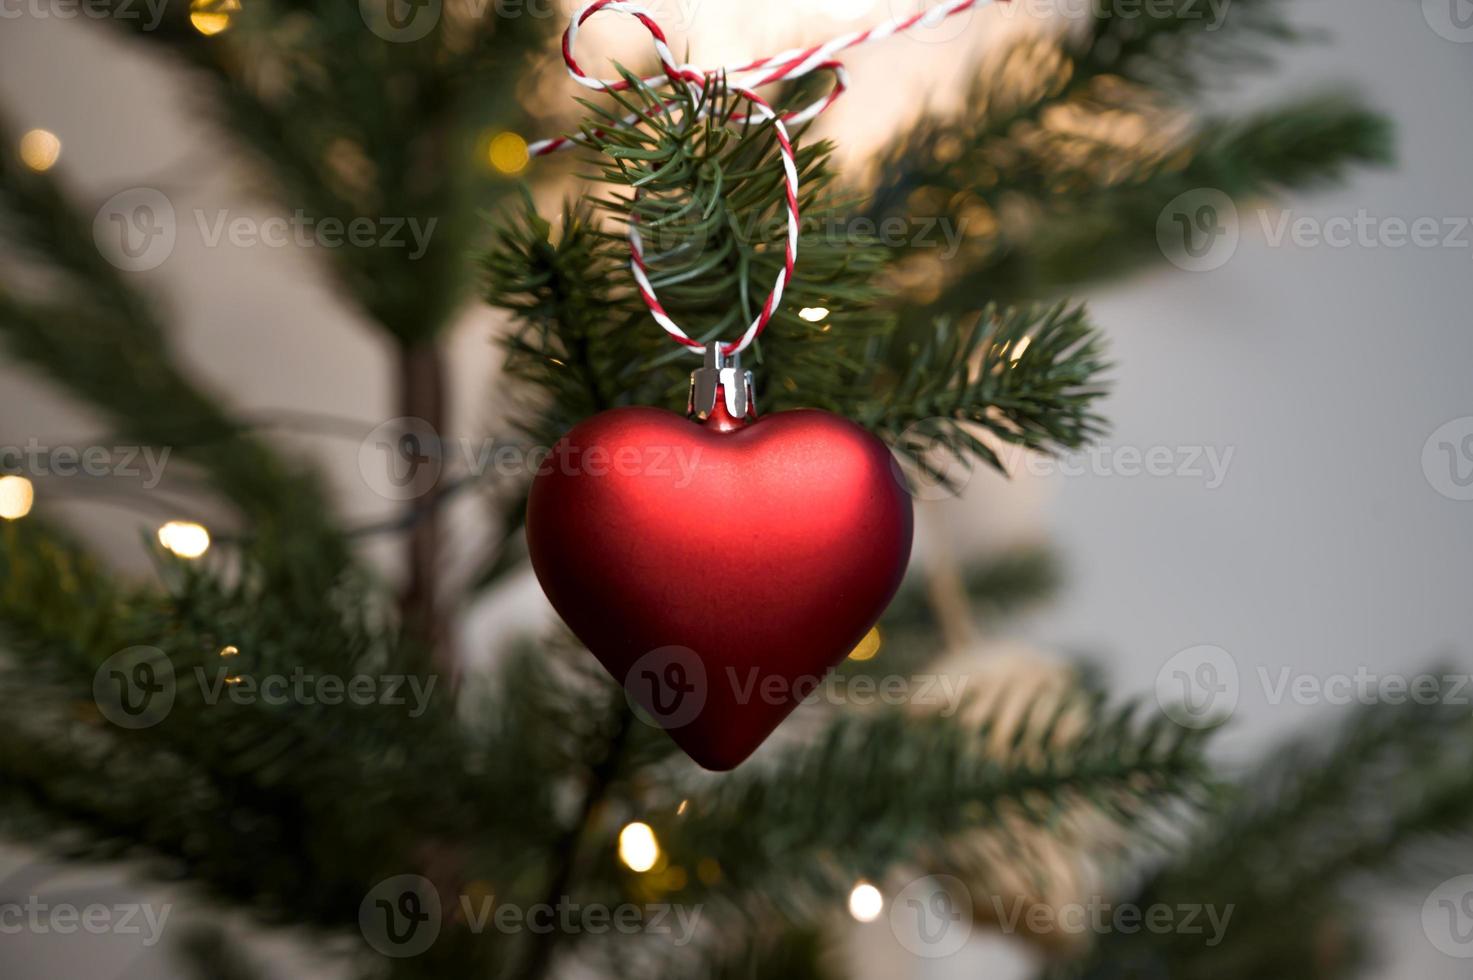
739,80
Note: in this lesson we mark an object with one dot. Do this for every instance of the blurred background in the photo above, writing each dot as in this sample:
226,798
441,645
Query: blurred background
1289,385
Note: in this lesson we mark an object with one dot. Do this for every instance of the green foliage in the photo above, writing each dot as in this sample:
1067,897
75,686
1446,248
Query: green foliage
515,786
351,122
708,204
1028,378
707,196
913,782
1317,820
1057,167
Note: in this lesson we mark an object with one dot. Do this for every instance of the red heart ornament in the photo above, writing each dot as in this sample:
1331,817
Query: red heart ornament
719,570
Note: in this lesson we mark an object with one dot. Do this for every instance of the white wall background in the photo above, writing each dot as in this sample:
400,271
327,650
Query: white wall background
1322,370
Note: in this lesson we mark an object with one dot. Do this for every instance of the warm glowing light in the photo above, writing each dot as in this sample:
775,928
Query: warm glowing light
637,847
1019,349
230,651
40,149
813,314
211,17
16,497
865,902
684,806
868,647
508,154
185,538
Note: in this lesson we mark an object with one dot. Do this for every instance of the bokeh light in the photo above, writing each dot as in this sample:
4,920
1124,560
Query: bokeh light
865,902
211,17
185,538
638,848
508,154
40,149
16,497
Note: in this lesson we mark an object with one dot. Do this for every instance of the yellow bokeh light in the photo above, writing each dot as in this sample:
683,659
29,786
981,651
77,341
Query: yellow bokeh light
16,497
813,314
868,647
230,651
508,154
865,902
211,17
185,538
40,149
638,848
1020,348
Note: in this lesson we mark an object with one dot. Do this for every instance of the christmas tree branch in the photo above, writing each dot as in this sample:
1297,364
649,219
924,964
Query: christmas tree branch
1056,169
910,783
1383,798
1028,378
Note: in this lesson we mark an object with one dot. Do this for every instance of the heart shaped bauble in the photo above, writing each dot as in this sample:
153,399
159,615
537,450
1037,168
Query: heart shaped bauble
719,570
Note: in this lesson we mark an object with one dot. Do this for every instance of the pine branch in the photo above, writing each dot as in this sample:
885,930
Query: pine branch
1384,799
285,773
1028,378
708,206
1057,167
351,123
909,784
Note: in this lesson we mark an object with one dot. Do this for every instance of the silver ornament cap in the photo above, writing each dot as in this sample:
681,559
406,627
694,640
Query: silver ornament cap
721,374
